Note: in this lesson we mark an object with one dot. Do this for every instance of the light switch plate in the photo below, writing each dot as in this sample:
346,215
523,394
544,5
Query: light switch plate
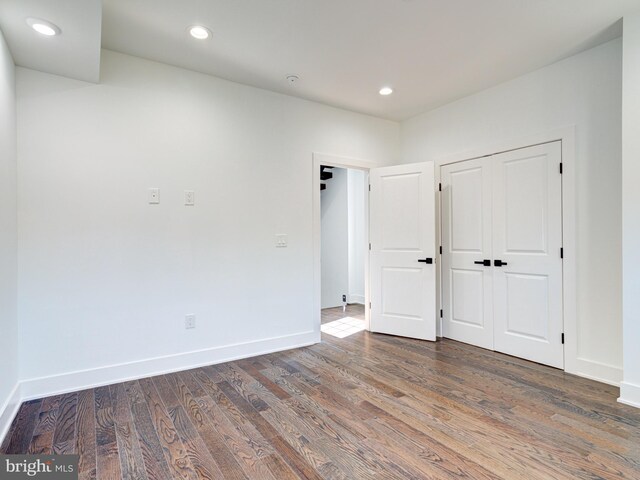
281,240
154,196
189,198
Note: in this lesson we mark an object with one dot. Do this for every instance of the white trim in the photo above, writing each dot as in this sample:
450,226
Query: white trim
9,411
95,377
630,394
356,298
600,372
572,363
319,159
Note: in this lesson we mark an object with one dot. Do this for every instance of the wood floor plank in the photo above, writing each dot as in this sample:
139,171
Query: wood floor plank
86,445
107,455
24,425
173,448
65,432
129,450
363,406
213,440
155,463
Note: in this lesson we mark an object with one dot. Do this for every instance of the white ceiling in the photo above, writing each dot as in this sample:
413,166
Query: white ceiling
430,51
75,53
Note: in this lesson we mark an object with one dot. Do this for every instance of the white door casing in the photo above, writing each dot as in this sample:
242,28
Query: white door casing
402,232
527,237
467,309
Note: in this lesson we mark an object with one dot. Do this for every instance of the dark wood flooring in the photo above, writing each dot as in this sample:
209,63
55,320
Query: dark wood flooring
366,406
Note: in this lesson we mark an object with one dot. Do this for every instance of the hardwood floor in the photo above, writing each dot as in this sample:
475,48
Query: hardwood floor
366,406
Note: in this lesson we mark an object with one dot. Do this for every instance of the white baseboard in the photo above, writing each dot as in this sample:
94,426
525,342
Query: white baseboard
9,411
82,379
354,298
600,372
630,394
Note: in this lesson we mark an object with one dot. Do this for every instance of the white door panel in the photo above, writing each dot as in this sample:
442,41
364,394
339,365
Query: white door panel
528,238
466,239
402,225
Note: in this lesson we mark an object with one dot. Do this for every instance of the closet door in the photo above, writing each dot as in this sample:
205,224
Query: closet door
527,264
467,288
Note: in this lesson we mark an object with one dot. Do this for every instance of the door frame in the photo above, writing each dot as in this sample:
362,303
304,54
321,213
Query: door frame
319,159
567,137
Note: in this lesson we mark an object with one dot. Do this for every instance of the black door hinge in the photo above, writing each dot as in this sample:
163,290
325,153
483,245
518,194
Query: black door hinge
561,252
563,338
440,249
369,187
560,168
439,187
440,313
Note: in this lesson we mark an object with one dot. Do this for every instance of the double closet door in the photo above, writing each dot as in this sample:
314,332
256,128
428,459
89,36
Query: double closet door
501,255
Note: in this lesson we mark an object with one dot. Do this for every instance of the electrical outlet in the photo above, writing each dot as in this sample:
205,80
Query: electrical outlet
189,321
281,240
189,198
154,196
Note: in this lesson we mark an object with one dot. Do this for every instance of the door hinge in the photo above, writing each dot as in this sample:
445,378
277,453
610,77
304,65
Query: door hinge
440,313
561,252
439,187
563,338
369,246
369,187
560,168
369,305
440,249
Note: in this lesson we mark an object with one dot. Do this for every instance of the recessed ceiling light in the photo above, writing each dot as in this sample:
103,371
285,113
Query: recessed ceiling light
386,91
43,27
199,32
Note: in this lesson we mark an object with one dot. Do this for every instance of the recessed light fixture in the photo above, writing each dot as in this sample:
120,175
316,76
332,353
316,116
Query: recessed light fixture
199,32
43,27
386,91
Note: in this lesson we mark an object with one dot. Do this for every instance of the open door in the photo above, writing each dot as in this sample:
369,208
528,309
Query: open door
403,251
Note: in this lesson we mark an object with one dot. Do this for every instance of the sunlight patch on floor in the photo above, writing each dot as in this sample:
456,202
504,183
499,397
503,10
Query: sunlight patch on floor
344,327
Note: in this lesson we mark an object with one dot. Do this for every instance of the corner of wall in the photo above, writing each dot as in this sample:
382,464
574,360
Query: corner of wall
9,411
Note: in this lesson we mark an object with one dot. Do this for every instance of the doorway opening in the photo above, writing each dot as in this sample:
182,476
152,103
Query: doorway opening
343,253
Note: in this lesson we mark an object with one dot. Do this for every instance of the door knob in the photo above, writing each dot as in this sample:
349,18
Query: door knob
486,263
499,263
427,260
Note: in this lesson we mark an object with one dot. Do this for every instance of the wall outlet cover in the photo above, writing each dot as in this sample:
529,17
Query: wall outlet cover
154,196
281,240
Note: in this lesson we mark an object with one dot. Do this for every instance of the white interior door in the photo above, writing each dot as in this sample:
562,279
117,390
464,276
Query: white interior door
527,238
402,234
467,296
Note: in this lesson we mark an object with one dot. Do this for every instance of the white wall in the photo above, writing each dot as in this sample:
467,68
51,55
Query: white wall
106,279
585,91
334,241
630,388
356,191
8,237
